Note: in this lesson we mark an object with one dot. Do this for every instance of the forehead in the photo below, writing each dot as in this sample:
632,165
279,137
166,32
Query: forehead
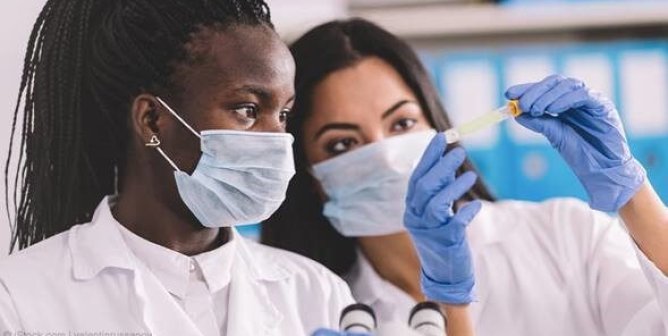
236,56
369,87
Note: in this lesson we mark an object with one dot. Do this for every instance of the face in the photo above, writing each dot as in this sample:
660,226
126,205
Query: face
359,105
244,81
238,78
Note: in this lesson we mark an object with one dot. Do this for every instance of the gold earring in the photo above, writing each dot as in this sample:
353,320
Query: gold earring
153,142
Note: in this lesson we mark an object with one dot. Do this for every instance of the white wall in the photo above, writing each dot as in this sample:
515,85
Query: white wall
16,20
292,18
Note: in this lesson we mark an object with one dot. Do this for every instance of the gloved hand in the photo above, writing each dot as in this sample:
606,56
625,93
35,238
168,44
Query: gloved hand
439,234
330,332
586,130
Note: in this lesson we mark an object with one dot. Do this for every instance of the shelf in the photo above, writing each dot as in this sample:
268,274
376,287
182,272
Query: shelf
490,19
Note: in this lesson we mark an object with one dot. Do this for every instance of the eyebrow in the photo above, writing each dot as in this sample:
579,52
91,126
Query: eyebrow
335,126
347,126
256,90
264,94
395,107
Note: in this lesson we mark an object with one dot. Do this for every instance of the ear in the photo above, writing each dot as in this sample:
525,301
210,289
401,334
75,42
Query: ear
146,117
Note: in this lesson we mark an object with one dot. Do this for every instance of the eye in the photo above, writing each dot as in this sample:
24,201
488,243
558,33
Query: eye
284,115
246,111
403,125
340,146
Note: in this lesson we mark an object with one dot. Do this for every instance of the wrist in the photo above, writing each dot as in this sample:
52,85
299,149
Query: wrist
646,219
609,189
456,294
458,317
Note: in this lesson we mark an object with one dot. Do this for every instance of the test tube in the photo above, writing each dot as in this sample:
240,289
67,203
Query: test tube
455,134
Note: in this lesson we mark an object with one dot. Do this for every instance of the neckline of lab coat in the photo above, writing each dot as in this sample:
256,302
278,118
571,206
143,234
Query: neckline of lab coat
99,246
370,288
175,270
482,233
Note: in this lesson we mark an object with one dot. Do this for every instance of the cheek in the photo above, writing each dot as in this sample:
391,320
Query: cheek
182,147
204,113
220,120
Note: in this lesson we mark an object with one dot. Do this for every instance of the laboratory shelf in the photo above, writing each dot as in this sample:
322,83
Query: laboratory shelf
438,21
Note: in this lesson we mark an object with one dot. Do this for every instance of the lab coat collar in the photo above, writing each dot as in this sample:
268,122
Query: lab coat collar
99,245
371,289
216,265
173,269
484,232
170,267
260,266
252,311
364,282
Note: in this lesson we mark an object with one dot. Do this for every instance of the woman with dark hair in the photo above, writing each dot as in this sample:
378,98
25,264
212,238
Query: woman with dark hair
364,115
160,124
301,225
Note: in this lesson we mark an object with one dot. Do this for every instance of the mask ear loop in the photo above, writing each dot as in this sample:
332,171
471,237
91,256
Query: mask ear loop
154,142
178,117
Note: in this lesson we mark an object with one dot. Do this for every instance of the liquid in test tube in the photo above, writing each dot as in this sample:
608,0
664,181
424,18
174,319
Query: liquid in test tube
455,134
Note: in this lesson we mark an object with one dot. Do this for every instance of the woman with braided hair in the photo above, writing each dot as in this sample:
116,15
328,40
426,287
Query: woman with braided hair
147,130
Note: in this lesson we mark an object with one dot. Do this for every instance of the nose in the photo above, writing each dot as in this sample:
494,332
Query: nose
270,123
374,135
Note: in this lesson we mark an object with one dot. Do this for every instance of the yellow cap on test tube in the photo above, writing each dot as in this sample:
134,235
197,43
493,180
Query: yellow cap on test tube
514,107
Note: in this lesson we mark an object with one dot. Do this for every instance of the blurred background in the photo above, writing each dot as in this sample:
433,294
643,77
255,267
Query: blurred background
474,51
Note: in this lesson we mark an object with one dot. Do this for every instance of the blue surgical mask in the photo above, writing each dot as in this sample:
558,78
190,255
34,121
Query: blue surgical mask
366,187
241,178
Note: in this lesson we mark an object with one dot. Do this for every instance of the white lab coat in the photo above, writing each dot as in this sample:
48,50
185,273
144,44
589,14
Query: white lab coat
553,268
86,280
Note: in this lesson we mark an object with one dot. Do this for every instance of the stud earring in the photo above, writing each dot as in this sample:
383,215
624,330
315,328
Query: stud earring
153,142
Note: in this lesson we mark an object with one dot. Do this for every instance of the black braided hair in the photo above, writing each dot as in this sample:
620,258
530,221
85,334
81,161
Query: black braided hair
86,61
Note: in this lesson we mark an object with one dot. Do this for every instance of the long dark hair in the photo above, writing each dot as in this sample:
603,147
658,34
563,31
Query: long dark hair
85,63
299,224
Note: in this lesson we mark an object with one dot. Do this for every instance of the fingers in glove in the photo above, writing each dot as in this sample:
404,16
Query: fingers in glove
437,178
466,213
550,127
529,98
439,207
582,97
516,91
559,93
454,232
431,156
